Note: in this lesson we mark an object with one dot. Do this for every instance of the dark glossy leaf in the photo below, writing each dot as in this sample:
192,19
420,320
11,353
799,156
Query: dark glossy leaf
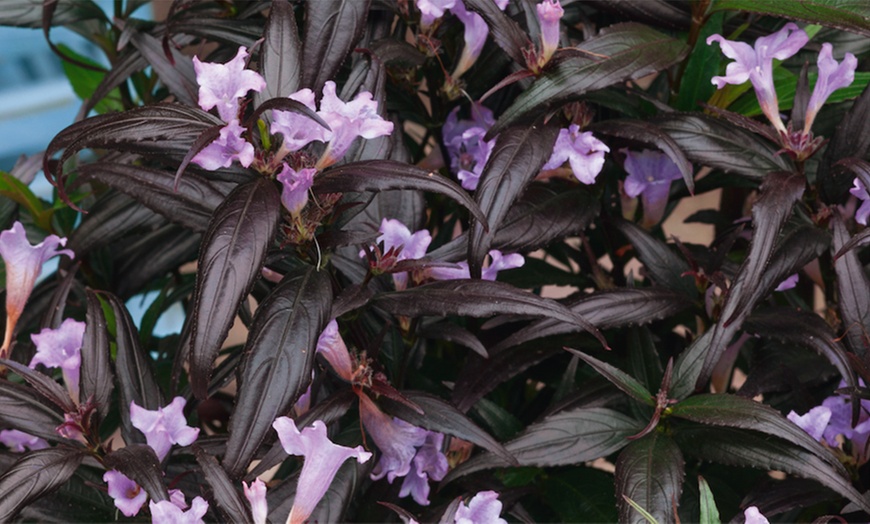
279,354
517,157
773,498
799,248
234,31
176,72
279,56
112,217
332,29
231,503
650,472
35,474
842,14
25,410
152,255
631,51
333,506
233,250
77,500
44,385
649,133
625,382
504,31
97,378
849,140
580,494
28,13
129,62
687,367
569,437
453,333
190,203
712,142
658,12
139,462
53,316
662,264
385,175
439,415
853,289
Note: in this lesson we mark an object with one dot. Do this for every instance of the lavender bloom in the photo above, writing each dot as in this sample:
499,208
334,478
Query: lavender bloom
753,516
332,347
221,85
813,421
549,14
583,151
229,146
483,508
788,283
61,348
498,263
464,141
348,120
23,265
841,423
860,192
756,65
19,441
256,495
476,32
431,10
166,512
322,460
832,76
128,496
398,238
176,497
397,440
428,463
298,130
164,427
649,175
294,188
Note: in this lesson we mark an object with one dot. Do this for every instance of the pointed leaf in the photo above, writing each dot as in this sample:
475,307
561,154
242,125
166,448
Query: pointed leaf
625,382
279,354
453,333
664,266
849,140
26,410
506,33
332,29
97,378
687,367
35,474
709,511
112,217
231,503
44,385
650,471
279,56
853,290
175,72
842,14
139,462
333,506
233,250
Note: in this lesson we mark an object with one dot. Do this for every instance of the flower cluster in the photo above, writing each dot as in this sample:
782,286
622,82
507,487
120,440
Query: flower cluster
465,145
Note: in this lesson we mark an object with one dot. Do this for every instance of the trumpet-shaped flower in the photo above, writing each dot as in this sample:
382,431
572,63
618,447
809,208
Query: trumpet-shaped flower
294,187
221,85
649,176
465,145
166,512
322,460
256,495
832,76
61,348
475,35
756,65
498,262
483,508
128,496
23,265
431,10
583,151
428,463
813,421
227,147
399,242
860,192
299,130
19,441
752,516
549,14
332,347
164,427
397,440
348,120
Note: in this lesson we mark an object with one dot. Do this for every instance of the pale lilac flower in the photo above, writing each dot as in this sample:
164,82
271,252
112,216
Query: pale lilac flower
227,147
164,427
165,512
752,516
397,440
61,348
396,237
465,145
832,76
19,441
348,120
788,283
128,496
322,460
256,495
841,422
428,463
221,85
583,151
176,496
299,130
549,14
294,187
431,10
475,35
23,265
813,421
498,262
649,175
860,192
334,350
483,508
756,65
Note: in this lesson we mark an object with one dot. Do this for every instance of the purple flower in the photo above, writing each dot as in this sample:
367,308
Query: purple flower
61,348
256,495
756,65
497,263
483,508
298,130
164,427
464,142
396,237
348,120
549,14
229,146
428,463
166,512
322,460
176,497
221,85
860,192
832,76
294,187
128,496
788,283
476,32
332,347
431,10
649,175
813,422
23,265
397,440
752,516
583,151
19,441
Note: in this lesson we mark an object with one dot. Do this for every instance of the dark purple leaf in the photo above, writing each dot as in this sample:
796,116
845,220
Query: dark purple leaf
139,462
650,471
504,31
453,333
850,139
516,158
53,315
130,61
242,229
28,13
799,248
26,410
44,385
151,256
853,289
333,506
778,496
332,29
97,378
657,12
279,355
662,264
113,216
176,73
625,382
842,14
687,367
232,504
279,55
234,31
35,474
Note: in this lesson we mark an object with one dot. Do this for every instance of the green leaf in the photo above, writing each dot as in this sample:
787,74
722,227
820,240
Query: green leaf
848,15
703,64
618,378
15,190
84,81
709,511
650,472
580,495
